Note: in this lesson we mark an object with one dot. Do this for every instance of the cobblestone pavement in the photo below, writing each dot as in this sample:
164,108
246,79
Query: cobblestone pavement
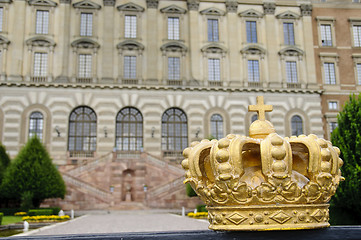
122,221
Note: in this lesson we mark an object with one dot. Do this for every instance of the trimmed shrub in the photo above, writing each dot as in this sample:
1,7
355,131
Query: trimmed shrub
40,212
201,208
33,171
1,217
189,191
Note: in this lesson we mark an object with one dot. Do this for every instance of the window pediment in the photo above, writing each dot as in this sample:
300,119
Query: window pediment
85,43
173,47
214,48
130,45
253,50
131,7
288,15
291,51
212,11
173,9
40,42
86,5
251,13
46,3
6,1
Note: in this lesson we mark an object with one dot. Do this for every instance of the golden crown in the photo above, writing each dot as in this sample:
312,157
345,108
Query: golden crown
265,181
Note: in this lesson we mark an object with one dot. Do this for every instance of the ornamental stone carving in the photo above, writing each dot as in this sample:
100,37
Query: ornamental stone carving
306,9
269,8
152,3
193,5
231,6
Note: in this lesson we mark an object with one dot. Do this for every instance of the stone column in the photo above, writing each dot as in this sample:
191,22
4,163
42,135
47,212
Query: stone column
233,44
152,47
195,57
272,44
107,48
62,60
306,11
17,19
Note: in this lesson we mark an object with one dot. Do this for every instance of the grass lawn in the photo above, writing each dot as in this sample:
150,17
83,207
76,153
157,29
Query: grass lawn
10,219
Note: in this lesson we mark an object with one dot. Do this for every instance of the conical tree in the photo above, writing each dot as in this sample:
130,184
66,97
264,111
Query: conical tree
347,136
33,172
4,161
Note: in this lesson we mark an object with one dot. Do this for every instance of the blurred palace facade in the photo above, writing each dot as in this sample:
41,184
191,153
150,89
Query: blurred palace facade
117,88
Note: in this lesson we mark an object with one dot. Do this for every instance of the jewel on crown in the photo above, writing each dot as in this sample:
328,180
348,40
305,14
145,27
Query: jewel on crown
264,181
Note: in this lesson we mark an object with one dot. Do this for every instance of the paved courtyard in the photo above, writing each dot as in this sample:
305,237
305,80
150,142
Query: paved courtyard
122,221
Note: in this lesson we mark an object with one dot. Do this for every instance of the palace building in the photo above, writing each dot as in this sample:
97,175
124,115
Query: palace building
116,89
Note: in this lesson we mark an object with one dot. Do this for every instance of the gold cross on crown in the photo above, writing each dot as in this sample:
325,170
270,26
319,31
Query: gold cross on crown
260,108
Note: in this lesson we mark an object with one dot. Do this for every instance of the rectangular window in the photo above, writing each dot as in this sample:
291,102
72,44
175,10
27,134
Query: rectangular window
326,35
288,32
213,30
130,67
40,64
291,72
251,30
332,105
214,69
253,71
42,22
330,74
85,66
173,68
86,24
130,26
1,18
333,126
173,28
358,70
357,35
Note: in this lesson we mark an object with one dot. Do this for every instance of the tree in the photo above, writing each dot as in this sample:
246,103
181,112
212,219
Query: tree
347,137
4,161
32,173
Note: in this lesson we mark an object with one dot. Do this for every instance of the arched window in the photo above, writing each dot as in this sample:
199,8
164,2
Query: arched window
217,126
36,125
129,130
174,130
296,125
82,132
254,118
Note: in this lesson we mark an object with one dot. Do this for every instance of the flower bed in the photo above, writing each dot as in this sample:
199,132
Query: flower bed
45,218
20,214
198,215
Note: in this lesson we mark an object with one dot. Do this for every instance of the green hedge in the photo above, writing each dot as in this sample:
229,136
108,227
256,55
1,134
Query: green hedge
9,211
55,210
1,217
40,212
201,208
